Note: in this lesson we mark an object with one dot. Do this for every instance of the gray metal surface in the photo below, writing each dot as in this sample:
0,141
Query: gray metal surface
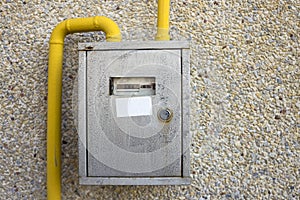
129,45
186,136
133,146
82,114
135,181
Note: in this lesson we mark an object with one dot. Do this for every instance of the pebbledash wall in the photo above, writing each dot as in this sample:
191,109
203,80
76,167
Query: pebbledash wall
245,96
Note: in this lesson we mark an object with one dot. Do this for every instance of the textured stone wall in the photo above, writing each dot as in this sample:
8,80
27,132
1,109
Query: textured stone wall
244,88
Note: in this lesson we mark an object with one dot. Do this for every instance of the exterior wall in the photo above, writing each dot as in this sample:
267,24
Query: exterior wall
244,96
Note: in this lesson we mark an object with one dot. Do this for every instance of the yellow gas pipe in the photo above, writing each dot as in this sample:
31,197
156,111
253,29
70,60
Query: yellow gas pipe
113,34
163,20
66,27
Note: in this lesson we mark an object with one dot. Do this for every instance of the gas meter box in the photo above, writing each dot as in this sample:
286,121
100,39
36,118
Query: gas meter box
133,113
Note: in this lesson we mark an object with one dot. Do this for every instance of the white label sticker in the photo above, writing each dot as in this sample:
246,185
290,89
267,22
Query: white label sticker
134,106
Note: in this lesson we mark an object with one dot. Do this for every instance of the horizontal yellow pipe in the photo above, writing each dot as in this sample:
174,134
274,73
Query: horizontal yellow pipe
58,35
163,20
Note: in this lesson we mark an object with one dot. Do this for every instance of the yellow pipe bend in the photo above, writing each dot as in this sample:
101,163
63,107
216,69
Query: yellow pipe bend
58,35
163,20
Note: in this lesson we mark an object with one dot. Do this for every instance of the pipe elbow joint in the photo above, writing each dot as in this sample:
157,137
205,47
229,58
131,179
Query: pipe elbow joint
98,23
111,29
59,33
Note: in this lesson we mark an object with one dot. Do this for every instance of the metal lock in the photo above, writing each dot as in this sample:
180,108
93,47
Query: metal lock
165,115
134,113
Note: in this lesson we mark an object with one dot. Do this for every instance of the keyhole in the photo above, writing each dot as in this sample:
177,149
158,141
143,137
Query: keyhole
165,115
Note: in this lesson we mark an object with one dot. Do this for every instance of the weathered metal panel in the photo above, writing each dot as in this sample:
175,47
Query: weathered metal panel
135,181
186,136
129,45
82,114
132,146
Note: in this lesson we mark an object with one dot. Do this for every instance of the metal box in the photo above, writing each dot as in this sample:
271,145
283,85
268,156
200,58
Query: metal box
133,113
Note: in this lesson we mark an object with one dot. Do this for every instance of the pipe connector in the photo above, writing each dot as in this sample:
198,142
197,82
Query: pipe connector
162,34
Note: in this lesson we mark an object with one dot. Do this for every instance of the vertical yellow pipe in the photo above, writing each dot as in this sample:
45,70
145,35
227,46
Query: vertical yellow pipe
97,23
54,121
163,20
